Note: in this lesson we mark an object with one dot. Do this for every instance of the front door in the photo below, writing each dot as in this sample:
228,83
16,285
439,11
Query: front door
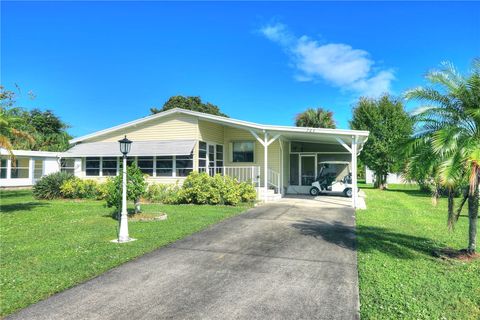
307,170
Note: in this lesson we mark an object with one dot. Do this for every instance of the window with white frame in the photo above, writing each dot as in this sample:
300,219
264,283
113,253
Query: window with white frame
242,151
109,166
20,168
146,165
164,166
3,168
92,166
38,169
219,158
67,165
202,156
183,165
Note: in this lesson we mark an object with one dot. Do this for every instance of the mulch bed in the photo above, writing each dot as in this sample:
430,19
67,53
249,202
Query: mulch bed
462,255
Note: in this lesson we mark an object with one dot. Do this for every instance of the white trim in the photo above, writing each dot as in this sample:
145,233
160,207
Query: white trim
233,122
344,144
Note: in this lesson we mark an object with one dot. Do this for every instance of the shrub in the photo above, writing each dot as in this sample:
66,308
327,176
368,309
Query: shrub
136,188
49,186
76,188
200,188
164,193
247,192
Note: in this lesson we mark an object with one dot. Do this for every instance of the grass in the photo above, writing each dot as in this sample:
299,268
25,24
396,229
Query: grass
400,277
48,246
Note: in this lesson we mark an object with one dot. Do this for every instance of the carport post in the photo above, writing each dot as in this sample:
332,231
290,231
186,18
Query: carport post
354,172
265,167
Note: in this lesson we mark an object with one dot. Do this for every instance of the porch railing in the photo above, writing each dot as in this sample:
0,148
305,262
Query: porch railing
273,179
244,174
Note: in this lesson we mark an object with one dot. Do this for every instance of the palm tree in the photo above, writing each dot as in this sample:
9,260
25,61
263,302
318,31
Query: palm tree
315,118
9,122
450,123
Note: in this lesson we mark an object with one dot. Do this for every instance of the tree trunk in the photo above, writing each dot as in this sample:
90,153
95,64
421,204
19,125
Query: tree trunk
137,206
380,181
451,216
473,220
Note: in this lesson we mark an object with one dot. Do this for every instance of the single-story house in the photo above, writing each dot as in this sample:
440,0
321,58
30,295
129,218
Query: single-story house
167,146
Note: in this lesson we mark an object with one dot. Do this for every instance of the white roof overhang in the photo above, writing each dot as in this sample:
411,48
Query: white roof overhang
139,148
310,134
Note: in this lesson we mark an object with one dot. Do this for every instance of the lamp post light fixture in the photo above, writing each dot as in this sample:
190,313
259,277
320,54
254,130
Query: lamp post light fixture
123,236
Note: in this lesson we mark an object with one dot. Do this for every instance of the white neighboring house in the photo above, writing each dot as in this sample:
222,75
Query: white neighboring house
29,166
391,177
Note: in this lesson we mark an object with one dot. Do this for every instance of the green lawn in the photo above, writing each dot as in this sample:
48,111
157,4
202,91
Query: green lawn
400,278
48,246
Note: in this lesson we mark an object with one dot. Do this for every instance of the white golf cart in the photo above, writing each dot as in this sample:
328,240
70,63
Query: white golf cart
334,177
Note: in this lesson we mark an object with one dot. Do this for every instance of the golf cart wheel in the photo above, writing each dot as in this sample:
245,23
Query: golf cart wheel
348,192
314,191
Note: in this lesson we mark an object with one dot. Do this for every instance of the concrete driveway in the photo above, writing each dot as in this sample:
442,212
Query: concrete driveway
293,259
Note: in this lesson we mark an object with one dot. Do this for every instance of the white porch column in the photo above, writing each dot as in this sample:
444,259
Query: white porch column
354,173
265,166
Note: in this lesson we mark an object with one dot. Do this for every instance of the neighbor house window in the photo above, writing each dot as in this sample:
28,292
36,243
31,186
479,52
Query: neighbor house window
219,158
20,168
184,165
92,166
67,165
146,165
38,169
202,156
3,168
243,151
164,166
109,166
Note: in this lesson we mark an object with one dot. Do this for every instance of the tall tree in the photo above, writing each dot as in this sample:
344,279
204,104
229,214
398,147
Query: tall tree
390,126
31,130
10,123
189,103
315,118
450,123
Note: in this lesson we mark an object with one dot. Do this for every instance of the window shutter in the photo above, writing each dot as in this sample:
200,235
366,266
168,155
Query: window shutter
230,151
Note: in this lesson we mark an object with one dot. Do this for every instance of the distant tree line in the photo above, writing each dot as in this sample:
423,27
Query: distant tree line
30,129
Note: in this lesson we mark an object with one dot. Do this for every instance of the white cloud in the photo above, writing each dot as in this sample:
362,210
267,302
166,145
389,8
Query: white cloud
339,64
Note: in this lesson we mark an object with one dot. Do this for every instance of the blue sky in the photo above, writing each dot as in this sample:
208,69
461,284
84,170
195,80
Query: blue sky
98,64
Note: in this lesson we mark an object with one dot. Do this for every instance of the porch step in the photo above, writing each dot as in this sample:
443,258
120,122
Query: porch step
269,196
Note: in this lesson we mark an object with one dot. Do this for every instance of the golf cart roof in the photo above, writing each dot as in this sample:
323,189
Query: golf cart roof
334,162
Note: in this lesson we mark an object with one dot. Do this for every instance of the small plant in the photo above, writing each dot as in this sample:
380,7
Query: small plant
136,188
49,187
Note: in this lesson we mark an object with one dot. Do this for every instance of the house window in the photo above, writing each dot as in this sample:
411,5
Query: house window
20,168
243,151
109,166
183,165
202,156
92,166
146,165
67,165
3,168
130,161
164,166
38,169
219,158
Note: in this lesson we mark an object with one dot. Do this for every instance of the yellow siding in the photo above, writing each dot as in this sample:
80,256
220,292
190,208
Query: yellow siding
210,132
174,127
274,152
